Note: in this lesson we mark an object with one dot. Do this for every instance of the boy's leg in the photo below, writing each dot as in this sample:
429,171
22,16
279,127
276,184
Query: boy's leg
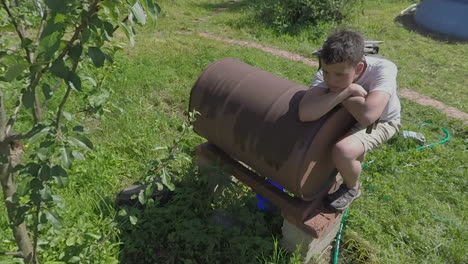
347,155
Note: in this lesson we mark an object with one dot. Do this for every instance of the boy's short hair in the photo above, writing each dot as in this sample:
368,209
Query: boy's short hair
343,46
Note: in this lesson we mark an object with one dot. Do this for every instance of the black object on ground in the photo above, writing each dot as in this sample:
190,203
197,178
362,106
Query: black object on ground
124,198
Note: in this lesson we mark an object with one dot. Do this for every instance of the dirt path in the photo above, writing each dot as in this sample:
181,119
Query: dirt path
426,100
275,51
405,93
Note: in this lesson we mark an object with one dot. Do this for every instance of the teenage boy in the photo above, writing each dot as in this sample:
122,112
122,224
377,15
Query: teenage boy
367,88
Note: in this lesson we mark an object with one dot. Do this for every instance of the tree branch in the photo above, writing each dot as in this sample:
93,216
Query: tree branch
93,8
15,137
55,88
3,125
84,23
117,26
36,231
42,26
13,117
19,30
58,118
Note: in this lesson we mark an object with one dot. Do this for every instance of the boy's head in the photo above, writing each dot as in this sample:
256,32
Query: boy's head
341,58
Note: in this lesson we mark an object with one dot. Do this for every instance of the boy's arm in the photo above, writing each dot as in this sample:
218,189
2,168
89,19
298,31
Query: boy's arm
367,110
318,101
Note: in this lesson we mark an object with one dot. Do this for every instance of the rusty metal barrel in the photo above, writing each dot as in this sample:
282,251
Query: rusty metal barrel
252,115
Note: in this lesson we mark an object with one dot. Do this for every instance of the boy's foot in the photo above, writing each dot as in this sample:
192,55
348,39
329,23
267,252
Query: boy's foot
342,198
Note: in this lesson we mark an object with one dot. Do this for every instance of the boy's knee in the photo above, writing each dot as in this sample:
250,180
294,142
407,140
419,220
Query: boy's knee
345,151
340,151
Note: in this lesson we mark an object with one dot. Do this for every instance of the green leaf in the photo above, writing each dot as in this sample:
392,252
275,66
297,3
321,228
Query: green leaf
74,259
47,91
39,135
62,182
139,13
74,81
15,70
42,153
33,169
12,199
60,176
152,9
96,100
65,155
59,18
123,212
53,218
46,194
81,141
70,241
26,42
78,155
59,69
28,99
58,200
68,116
23,186
142,197
108,29
78,129
20,214
166,179
133,220
75,52
85,35
45,173
128,32
94,236
90,79
58,6
97,56
49,44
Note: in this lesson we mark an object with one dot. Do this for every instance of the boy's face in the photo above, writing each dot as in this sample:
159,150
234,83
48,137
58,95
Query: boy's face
339,76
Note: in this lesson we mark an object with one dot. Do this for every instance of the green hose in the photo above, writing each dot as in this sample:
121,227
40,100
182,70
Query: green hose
445,140
336,254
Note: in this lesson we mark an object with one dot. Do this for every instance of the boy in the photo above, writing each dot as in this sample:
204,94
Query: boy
367,88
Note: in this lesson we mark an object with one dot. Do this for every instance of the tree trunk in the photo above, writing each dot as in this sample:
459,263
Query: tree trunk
9,188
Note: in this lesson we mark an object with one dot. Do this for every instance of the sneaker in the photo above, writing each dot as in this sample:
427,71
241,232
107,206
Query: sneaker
338,193
342,198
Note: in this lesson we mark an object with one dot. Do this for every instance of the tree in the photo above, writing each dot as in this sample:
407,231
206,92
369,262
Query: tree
44,45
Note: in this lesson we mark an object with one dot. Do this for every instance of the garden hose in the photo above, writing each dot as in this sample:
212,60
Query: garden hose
336,254
448,136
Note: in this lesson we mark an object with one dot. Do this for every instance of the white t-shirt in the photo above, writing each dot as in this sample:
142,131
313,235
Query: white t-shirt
380,75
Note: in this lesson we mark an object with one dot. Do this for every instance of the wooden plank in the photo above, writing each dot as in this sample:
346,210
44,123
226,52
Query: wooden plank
310,216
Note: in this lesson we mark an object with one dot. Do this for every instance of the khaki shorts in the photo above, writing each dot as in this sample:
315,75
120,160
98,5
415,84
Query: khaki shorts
380,134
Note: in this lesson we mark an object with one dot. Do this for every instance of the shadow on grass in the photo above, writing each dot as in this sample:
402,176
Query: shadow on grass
407,20
196,226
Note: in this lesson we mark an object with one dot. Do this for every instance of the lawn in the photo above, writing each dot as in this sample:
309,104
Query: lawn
412,210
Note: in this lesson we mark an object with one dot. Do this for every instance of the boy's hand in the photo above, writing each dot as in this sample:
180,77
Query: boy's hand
357,90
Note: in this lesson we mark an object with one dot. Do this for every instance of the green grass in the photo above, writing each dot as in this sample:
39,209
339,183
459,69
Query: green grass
433,67
412,209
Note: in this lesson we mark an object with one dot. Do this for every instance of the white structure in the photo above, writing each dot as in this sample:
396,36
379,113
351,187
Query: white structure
449,17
